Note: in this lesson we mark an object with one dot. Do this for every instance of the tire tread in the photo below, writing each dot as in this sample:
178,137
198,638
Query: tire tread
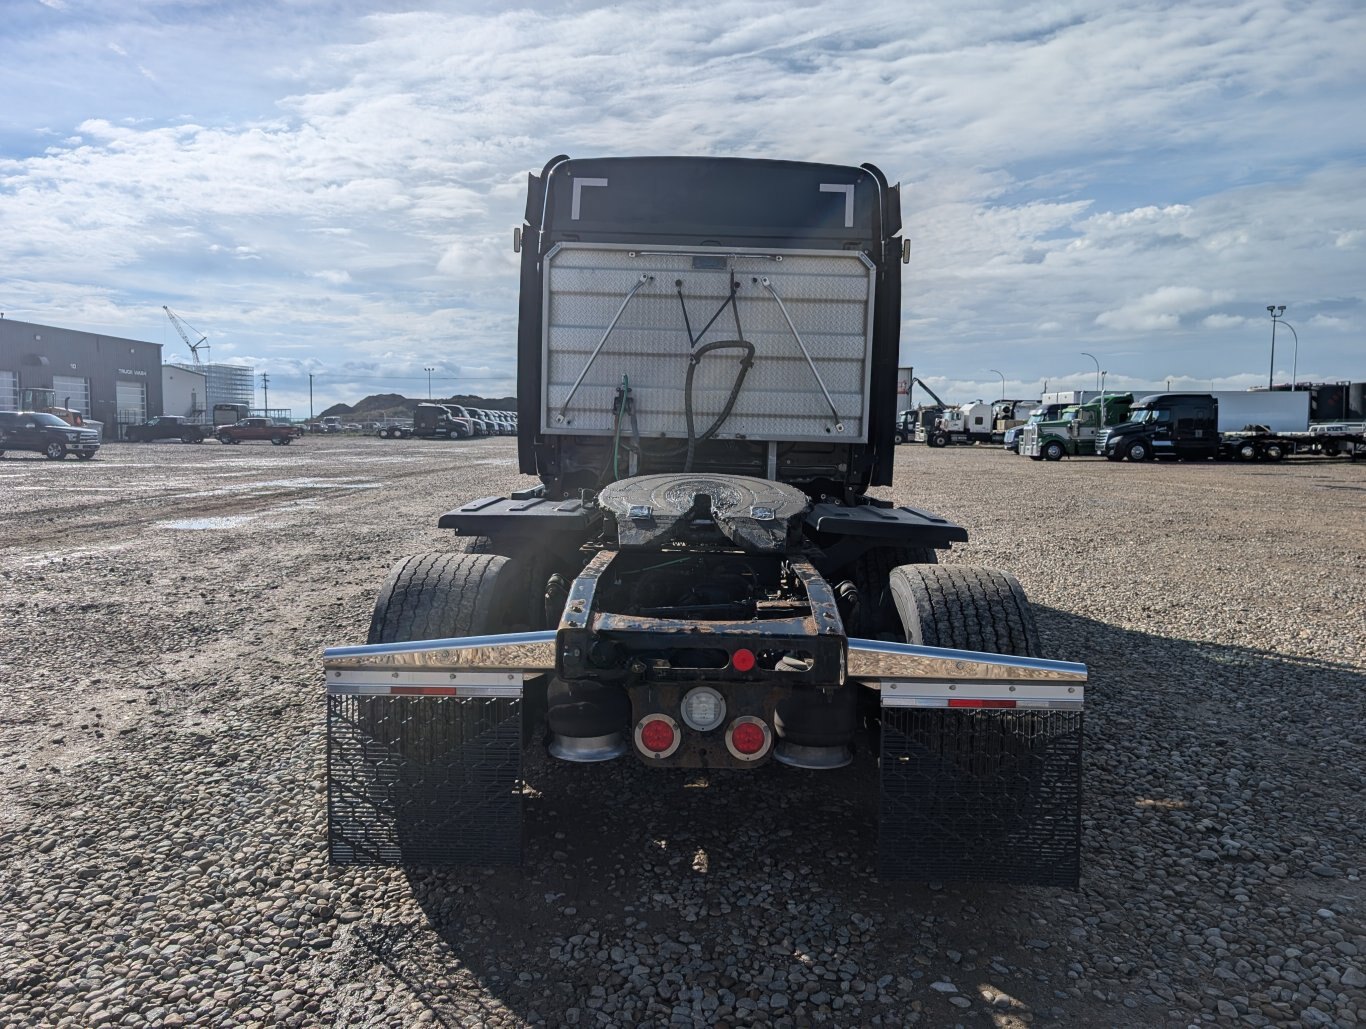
964,607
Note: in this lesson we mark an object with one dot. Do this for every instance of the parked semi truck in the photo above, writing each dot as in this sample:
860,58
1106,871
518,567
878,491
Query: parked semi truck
438,421
966,423
1075,431
1243,426
700,579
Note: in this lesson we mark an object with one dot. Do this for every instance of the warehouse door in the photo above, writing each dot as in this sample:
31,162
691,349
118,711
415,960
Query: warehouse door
72,392
131,400
9,391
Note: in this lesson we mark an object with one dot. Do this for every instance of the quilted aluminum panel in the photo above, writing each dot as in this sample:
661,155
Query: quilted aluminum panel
828,295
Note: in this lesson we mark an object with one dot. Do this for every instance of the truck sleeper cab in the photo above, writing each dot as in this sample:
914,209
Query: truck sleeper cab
706,393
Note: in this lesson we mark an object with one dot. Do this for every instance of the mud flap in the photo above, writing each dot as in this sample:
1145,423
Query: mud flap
980,796
424,780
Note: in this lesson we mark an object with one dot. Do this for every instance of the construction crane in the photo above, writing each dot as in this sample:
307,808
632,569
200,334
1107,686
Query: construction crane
180,327
914,381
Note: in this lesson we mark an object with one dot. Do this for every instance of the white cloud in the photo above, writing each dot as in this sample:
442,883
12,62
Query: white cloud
1224,321
1138,182
1160,309
1328,321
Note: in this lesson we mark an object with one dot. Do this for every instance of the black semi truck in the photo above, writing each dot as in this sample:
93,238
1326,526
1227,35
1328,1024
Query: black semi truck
1198,426
699,578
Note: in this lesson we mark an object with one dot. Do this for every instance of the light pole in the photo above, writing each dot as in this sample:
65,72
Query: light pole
429,381
1093,358
1275,313
1003,381
1295,363
310,396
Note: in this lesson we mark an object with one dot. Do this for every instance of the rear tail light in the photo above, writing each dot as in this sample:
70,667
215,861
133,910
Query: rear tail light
743,660
657,736
748,738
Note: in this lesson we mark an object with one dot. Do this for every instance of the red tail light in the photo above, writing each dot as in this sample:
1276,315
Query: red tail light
748,738
742,660
657,735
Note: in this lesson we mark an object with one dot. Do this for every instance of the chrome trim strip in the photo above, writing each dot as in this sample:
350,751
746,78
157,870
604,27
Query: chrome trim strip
412,677
528,653
942,694
403,688
905,662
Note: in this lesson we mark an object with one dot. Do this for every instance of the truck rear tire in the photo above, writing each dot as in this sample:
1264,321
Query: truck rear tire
871,575
1247,451
434,596
964,608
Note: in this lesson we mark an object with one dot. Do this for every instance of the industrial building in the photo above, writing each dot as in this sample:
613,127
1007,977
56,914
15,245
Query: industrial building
223,384
183,392
109,379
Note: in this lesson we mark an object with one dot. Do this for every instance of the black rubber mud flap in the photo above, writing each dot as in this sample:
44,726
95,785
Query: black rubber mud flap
980,796
424,780
976,794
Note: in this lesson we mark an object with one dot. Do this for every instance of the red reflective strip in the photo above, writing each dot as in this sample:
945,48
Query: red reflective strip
422,691
953,702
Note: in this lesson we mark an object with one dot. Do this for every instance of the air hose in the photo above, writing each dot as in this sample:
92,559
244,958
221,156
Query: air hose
746,363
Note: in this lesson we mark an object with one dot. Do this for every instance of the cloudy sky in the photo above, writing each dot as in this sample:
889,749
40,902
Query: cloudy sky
331,185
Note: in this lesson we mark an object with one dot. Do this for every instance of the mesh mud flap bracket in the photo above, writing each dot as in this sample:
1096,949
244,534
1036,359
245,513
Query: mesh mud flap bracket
980,771
424,766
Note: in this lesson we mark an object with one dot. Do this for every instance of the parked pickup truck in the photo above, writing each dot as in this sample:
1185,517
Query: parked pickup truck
166,426
258,428
46,434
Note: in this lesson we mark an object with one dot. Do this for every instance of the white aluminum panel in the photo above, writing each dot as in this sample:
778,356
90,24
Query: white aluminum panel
827,294
9,391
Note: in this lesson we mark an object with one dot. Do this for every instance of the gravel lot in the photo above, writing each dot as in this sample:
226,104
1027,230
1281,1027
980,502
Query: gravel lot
162,812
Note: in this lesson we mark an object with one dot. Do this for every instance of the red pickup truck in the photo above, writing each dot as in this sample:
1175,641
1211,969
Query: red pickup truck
258,428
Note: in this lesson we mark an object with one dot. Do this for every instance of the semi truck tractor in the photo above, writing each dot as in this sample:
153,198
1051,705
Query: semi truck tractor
1238,426
698,576
1075,431
966,423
